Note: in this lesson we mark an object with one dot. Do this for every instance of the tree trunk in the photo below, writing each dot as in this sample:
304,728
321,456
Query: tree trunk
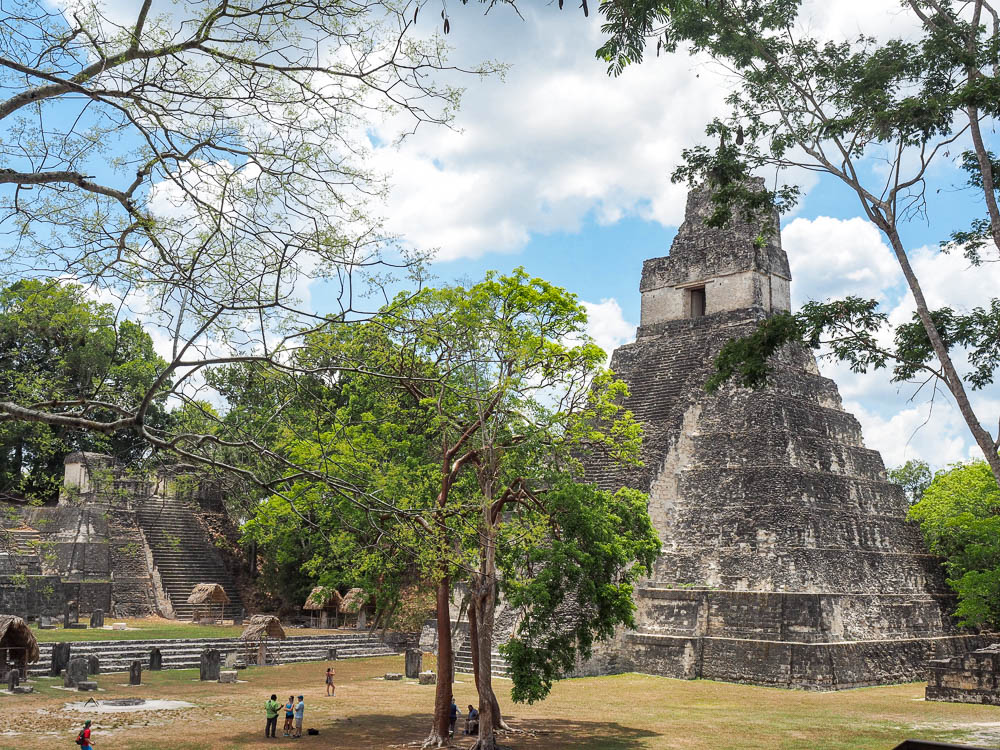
484,601
445,663
951,377
498,722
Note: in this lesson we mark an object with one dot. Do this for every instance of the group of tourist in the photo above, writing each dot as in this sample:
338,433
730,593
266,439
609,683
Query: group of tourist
295,710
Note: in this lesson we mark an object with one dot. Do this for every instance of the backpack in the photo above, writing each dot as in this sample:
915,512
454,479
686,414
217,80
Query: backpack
79,738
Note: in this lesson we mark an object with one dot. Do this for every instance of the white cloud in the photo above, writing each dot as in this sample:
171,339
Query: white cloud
553,142
607,325
832,258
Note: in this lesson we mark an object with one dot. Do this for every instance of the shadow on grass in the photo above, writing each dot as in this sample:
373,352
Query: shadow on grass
375,731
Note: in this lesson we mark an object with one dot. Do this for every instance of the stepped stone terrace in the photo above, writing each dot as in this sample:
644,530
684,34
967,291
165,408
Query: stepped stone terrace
787,559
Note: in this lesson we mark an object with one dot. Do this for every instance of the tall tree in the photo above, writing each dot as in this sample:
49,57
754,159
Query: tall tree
798,101
60,349
460,412
202,162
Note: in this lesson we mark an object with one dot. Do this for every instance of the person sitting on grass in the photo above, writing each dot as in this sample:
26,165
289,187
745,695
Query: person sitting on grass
83,739
289,715
300,709
472,721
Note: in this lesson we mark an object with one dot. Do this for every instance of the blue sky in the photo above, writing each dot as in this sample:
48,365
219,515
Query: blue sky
559,168
565,171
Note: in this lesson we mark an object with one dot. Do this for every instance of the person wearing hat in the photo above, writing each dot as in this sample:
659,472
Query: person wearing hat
83,739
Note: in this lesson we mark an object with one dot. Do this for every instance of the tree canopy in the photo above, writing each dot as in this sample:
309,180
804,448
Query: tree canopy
61,349
201,163
960,517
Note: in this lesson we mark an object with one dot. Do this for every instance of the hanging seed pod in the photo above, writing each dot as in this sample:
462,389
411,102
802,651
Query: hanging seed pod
560,4
415,12
447,26
586,10
739,136
442,13
659,46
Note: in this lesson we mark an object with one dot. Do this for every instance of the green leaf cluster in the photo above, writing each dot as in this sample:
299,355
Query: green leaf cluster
59,347
960,518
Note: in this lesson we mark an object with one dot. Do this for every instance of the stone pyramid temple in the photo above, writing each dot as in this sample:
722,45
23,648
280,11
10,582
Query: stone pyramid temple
787,559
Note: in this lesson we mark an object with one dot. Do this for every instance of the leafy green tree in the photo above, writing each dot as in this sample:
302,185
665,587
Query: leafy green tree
59,348
960,517
799,101
914,477
441,442
203,162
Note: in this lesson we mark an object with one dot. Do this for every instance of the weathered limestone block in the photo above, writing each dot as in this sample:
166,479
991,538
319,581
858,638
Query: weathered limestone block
393,676
155,660
86,685
13,679
93,664
211,660
23,689
969,678
427,678
135,673
97,618
76,672
60,658
227,675
414,662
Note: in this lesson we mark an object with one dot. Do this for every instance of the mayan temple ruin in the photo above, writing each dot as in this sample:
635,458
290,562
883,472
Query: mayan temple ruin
786,557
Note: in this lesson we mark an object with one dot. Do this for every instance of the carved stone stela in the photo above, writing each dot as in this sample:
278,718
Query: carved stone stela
787,559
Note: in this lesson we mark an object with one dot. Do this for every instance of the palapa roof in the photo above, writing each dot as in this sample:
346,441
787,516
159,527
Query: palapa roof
353,601
15,633
263,625
323,597
208,593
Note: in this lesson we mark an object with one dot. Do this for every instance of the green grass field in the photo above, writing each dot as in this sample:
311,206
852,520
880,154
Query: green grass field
623,712
149,628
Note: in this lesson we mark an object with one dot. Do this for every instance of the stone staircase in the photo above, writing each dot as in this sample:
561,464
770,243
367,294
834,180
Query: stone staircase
116,656
463,662
183,554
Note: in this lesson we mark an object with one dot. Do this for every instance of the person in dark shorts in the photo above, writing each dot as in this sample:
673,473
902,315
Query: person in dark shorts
271,709
331,689
289,715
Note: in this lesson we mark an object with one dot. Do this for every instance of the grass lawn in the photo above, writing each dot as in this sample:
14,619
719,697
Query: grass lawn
155,627
625,712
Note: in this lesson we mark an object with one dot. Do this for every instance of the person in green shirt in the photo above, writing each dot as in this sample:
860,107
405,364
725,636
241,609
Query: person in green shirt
271,709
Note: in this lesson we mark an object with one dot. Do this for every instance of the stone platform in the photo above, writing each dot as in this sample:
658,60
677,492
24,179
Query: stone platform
970,678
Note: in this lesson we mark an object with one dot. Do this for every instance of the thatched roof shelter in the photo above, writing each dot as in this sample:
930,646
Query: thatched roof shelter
323,597
353,601
15,634
208,593
261,626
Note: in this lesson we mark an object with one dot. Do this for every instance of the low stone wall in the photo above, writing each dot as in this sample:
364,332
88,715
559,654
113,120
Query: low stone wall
970,678
810,666
31,596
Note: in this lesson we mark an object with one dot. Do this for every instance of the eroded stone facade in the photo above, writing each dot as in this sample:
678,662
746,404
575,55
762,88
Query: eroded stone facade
787,559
